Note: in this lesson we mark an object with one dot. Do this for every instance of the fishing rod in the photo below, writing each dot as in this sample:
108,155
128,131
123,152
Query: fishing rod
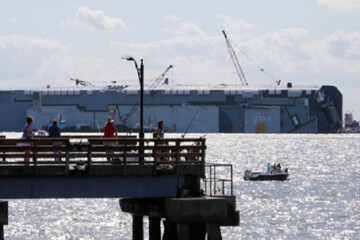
98,126
187,129
205,135
209,132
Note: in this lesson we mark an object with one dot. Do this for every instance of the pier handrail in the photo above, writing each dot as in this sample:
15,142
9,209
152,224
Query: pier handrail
88,152
214,183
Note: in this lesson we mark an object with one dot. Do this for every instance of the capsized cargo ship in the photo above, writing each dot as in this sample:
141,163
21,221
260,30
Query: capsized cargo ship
183,108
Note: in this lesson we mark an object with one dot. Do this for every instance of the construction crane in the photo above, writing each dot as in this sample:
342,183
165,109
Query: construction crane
154,83
86,83
235,61
81,82
157,80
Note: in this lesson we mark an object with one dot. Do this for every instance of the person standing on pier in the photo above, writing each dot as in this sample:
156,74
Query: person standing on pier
109,129
54,132
109,132
160,132
28,134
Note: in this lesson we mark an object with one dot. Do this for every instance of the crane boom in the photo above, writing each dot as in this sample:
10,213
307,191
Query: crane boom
157,80
235,61
81,82
153,85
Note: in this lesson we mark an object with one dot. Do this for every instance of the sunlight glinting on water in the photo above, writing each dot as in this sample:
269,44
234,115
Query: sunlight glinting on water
320,201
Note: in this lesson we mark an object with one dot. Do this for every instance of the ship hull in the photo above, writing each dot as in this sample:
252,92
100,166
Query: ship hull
200,110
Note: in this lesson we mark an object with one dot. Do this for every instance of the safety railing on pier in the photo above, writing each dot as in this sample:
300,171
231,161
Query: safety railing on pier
88,152
219,180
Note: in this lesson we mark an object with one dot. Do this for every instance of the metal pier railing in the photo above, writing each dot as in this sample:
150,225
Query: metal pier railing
218,180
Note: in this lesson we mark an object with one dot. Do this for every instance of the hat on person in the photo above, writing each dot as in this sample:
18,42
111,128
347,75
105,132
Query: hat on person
109,120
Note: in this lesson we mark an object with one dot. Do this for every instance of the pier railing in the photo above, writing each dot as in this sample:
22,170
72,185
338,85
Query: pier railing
86,153
219,179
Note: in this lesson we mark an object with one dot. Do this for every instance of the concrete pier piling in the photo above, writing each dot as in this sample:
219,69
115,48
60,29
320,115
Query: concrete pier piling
138,230
185,218
3,217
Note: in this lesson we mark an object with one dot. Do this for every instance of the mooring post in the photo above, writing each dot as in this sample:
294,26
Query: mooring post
138,230
3,217
154,228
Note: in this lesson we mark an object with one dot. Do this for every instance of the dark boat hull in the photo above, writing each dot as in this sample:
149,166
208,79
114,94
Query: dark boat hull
268,177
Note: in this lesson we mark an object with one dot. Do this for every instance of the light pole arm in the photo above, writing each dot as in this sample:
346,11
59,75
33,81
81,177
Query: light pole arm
141,78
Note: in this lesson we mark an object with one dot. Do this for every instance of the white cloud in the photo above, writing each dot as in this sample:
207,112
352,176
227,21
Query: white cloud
341,6
287,53
20,42
58,69
171,18
96,21
353,39
21,55
187,29
236,25
143,48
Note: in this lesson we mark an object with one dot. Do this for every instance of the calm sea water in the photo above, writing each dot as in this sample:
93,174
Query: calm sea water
321,200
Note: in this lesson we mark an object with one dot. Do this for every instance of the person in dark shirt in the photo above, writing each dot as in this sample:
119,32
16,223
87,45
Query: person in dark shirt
54,132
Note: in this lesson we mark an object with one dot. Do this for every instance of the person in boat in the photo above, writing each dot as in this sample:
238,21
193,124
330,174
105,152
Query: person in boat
28,134
55,132
277,168
268,168
273,168
109,132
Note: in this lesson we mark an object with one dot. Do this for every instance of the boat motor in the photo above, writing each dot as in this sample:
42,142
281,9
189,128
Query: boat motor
247,175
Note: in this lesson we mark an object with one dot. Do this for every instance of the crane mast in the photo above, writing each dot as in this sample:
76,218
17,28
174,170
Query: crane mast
235,60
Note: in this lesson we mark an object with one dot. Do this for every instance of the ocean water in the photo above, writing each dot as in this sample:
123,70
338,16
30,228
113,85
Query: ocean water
320,201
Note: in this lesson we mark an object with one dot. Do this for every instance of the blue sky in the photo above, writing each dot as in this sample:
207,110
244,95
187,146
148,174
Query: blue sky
311,42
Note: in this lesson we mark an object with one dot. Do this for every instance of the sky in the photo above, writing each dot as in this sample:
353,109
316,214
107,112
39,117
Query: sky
306,42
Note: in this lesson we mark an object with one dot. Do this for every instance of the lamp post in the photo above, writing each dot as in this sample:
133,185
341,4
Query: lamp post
140,72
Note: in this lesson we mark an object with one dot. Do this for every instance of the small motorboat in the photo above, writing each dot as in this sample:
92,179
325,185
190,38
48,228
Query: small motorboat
266,176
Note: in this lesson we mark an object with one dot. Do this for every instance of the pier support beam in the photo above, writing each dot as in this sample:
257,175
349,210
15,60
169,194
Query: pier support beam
185,218
3,217
213,231
138,230
154,228
170,230
183,231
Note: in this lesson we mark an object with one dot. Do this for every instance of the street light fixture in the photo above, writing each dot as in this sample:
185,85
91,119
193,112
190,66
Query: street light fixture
140,72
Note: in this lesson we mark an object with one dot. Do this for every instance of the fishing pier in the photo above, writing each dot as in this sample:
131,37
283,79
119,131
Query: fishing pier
166,180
